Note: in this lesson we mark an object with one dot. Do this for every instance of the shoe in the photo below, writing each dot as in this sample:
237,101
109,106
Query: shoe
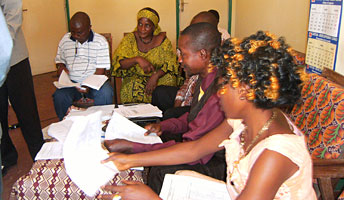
83,103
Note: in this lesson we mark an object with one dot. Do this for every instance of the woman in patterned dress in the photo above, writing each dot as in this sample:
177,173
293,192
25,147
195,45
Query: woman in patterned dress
144,59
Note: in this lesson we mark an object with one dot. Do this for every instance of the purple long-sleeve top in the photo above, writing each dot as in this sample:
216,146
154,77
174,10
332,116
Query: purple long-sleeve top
208,118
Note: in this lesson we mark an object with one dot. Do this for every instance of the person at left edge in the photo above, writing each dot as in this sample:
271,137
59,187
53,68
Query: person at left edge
19,89
80,54
6,45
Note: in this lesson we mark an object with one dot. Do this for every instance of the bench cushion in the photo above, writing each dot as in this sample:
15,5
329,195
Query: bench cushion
320,117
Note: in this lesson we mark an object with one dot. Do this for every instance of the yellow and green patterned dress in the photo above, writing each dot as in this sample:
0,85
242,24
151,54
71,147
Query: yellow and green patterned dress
134,79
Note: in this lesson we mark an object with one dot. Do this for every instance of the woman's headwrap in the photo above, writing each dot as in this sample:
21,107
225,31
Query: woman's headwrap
151,16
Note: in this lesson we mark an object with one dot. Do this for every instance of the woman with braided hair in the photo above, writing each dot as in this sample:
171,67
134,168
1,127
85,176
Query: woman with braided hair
266,154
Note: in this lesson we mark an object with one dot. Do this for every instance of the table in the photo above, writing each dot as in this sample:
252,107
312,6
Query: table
48,179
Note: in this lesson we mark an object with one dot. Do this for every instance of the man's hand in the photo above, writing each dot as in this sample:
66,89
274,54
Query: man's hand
60,68
131,191
119,145
153,128
177,103
73,108
151,84
144,64
100,71
83,89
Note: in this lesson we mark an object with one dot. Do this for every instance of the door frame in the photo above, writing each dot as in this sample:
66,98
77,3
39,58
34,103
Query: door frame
178,19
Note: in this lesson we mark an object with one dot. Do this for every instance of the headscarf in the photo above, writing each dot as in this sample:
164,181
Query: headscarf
151,16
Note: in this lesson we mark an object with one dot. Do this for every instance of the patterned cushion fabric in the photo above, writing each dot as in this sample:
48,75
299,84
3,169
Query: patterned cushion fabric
341,197
299,58
321,117
48,179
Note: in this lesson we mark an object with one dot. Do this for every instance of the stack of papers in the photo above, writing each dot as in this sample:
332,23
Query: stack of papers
139,110
106,110
177,187
50,150
79,142
83,153
120,127
93,81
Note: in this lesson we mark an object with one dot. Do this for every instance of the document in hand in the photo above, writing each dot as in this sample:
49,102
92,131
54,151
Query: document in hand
93,81
120,127
83,153
60,130
177,187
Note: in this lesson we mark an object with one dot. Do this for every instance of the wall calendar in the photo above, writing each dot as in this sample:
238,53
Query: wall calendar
323,34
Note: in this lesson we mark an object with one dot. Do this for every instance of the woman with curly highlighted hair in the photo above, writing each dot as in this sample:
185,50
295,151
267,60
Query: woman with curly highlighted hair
266,154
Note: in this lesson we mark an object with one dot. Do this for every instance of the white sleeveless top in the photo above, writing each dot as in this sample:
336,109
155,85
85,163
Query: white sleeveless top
298,186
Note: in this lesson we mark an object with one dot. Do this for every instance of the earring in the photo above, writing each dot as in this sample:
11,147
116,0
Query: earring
211,68
242,98
223,90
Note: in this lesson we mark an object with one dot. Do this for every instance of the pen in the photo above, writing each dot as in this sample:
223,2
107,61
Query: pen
131,104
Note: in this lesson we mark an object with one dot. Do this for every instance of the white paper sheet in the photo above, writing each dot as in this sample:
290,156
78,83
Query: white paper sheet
176,187
95,81
83,153
59,130
106,110
46,136
120,127
92,81
139,110
50,150
64,81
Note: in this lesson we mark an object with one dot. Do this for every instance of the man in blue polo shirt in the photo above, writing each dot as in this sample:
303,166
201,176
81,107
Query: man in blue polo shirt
81,53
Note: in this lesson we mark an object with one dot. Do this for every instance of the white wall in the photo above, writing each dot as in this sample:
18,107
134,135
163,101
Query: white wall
119,16
193,7
288,18
44,23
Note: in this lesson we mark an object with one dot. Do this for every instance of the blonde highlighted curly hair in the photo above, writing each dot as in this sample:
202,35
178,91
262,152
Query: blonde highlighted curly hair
265,64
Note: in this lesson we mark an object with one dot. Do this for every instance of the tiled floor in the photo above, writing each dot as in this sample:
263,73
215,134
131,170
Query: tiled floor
44,89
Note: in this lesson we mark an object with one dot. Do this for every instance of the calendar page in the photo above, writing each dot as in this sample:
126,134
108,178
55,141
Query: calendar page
320,53
323,34
324,19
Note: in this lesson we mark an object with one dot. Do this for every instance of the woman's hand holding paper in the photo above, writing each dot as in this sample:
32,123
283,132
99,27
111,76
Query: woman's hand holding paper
131,190
121,161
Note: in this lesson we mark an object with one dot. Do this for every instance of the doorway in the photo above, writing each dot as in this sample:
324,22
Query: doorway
186,9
